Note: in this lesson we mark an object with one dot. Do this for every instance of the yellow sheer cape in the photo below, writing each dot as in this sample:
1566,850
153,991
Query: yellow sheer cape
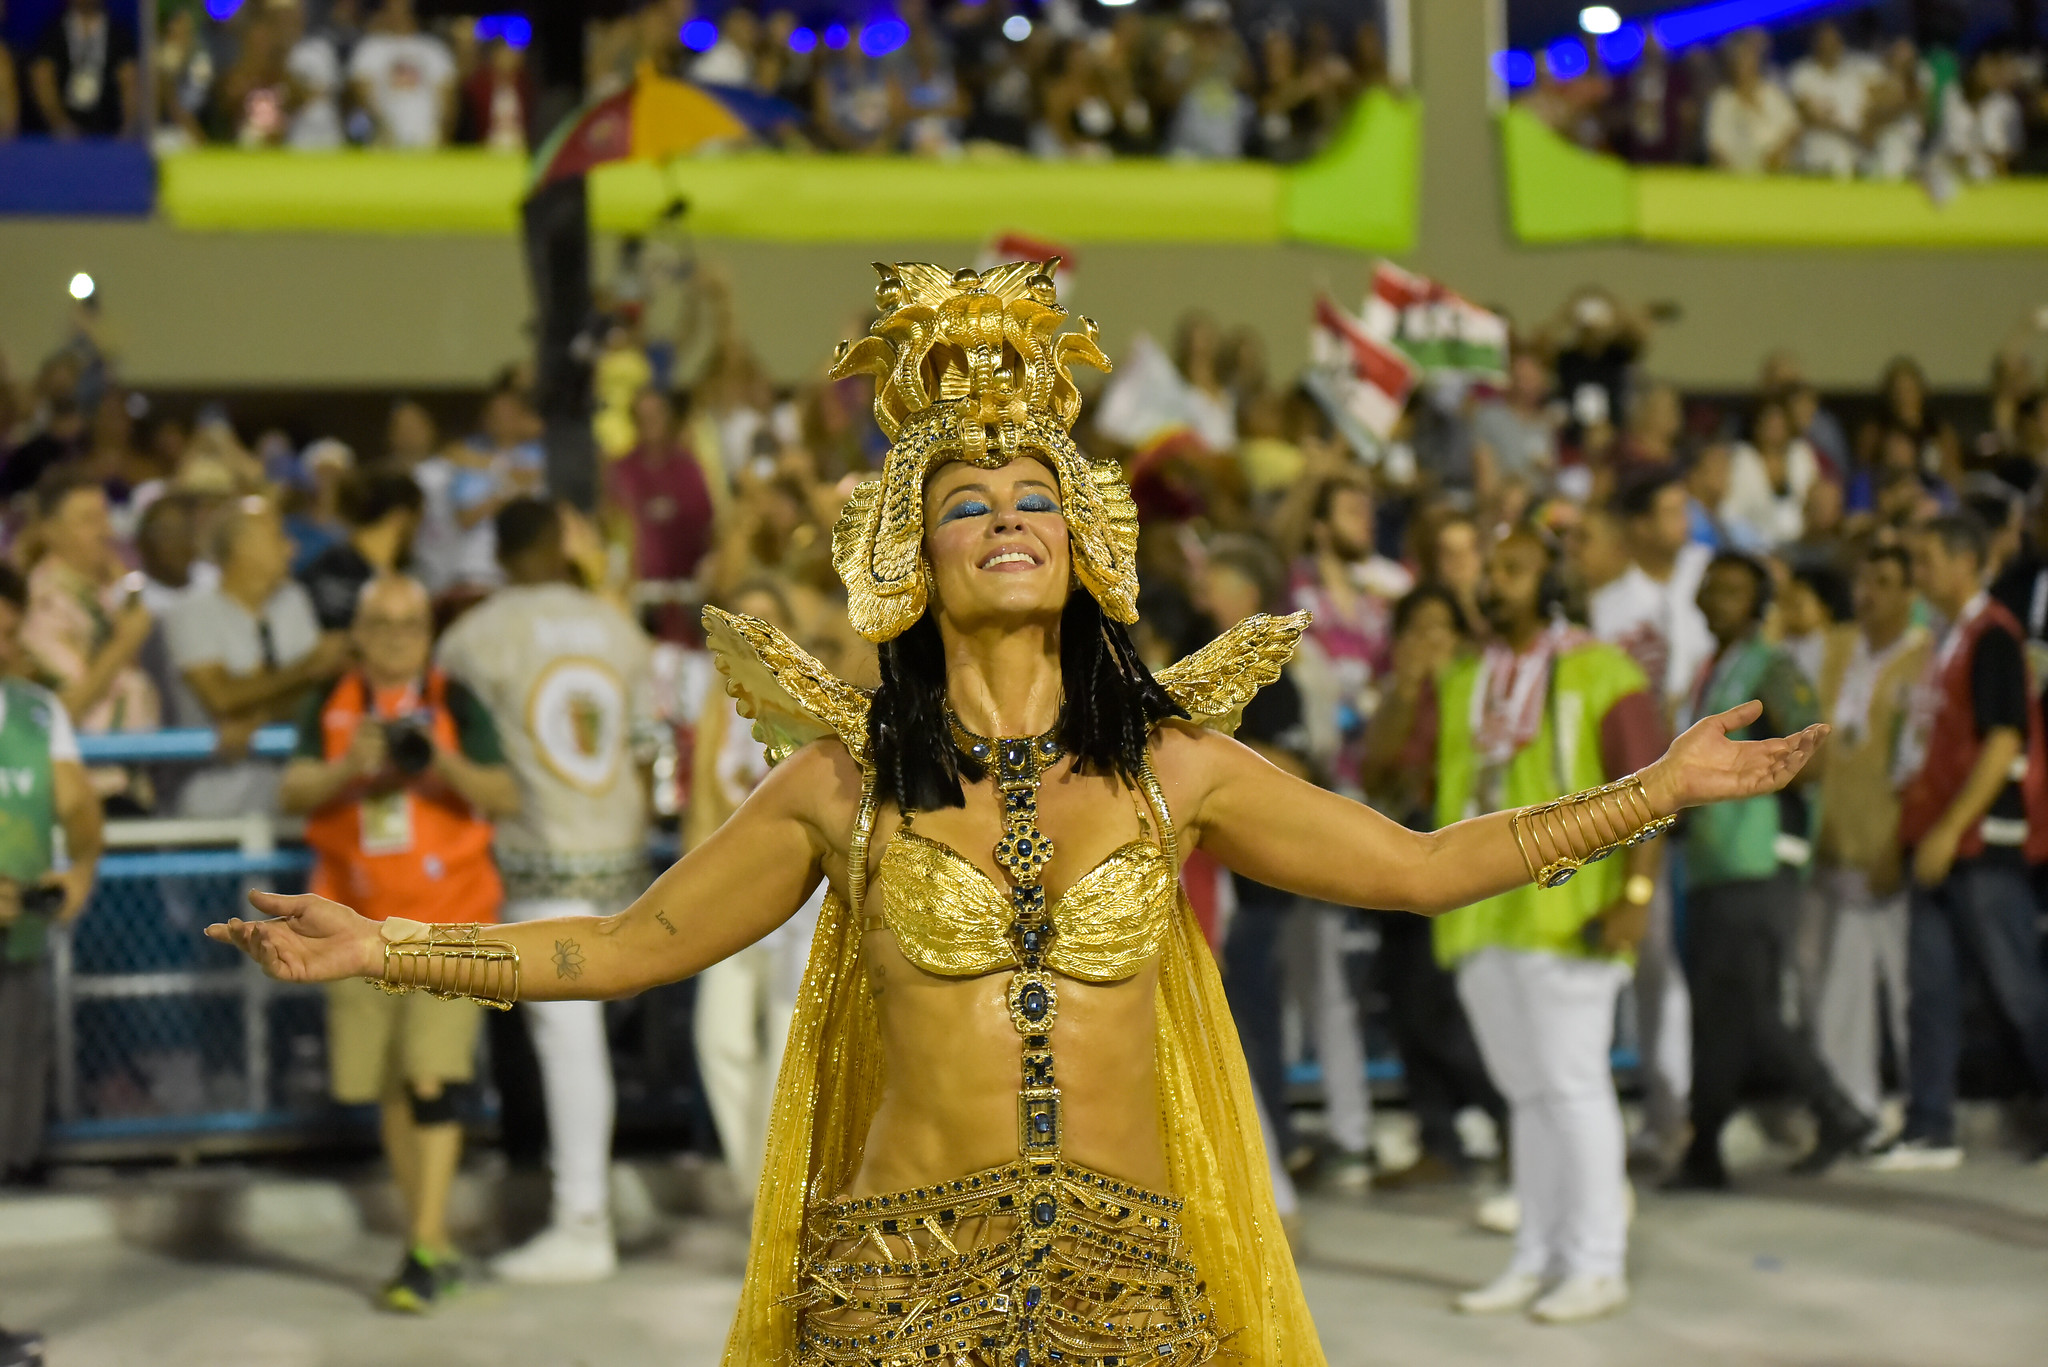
831,1080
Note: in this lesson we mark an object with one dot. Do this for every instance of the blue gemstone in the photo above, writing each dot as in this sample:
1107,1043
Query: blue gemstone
1043,1213
1031,1295
1042,1123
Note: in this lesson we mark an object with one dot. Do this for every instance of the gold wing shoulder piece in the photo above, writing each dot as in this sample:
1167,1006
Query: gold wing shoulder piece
790,697
1215,682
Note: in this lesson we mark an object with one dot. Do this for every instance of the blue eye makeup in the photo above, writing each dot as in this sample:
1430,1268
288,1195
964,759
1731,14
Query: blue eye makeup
972,507
1037,503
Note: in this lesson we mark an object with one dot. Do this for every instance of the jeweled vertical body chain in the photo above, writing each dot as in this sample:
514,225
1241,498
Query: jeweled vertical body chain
1017,764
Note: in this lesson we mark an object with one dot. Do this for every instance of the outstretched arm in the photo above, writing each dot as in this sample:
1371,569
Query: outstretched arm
744,881
1289,834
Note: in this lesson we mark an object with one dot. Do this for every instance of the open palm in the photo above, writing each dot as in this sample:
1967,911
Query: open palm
1707,765
312,940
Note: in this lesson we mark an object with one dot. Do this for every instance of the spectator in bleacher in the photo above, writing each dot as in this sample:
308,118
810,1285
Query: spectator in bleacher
48,788
1743,861
1971,828
184,81
1982,127
1207,78
934,105
1832,86
58,434
1752,124
86,624
382,509
1864,693
566,676
856,103
245,654
254,93
1898,114
497,97
81,75
1903,408
405,78
730,60
314,64
399,774
1655,112
1768,479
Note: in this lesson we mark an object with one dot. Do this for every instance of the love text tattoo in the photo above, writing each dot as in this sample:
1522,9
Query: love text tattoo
568,959
666,924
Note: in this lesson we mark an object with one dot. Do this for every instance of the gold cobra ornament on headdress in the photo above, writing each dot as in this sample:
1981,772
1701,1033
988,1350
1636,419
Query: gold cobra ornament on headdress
973,366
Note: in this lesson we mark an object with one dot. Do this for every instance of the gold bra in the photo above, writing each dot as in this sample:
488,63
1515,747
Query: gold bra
951,919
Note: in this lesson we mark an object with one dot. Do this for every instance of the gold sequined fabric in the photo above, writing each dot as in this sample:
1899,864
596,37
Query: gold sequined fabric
940,1274
949,919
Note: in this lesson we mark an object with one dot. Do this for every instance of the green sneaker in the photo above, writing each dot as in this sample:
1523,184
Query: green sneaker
416,1287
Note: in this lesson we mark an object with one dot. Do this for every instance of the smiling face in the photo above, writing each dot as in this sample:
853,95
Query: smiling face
997,543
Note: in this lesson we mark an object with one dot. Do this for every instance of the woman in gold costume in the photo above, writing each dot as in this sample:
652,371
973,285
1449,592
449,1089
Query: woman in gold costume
1013,1126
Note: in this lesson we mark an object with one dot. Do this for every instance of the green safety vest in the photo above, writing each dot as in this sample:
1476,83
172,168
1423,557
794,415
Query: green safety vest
1563,758
28,805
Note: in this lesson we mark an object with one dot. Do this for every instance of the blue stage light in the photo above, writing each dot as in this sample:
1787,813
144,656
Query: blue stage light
883,37
699,35
1517,70
1567,58
1620,49
803,40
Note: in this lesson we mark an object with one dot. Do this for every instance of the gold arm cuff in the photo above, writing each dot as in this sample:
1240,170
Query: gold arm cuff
1566,821
451,962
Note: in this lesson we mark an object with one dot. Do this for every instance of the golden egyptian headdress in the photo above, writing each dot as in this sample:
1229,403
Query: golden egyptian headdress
973,366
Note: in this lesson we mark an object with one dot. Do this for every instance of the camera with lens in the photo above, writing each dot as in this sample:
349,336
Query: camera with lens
42,899
410,747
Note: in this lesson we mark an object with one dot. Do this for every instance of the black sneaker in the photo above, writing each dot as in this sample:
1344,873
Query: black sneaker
21,1350
415,1288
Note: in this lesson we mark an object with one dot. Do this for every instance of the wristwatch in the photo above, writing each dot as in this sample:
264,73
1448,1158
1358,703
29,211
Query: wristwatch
1639,889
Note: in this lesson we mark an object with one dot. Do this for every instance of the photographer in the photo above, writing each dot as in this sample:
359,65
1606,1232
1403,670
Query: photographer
399,774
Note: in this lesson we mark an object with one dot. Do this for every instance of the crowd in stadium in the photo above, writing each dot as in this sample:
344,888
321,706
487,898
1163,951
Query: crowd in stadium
1054,80
182,571
1879,105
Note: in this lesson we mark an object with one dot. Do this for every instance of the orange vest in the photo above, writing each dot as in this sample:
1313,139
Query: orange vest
420,852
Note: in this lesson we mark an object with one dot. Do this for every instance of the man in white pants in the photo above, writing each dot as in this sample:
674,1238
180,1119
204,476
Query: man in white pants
1864,693
1544,711
565,674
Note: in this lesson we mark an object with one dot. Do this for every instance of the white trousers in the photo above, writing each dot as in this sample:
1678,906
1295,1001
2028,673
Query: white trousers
1545,1024
576,1082
1866,949
744,1006
1663,1020
1323,936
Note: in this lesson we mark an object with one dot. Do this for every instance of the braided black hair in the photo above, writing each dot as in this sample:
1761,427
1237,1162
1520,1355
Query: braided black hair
1112,704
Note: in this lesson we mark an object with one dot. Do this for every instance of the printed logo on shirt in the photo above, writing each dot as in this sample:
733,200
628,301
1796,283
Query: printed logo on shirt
576,717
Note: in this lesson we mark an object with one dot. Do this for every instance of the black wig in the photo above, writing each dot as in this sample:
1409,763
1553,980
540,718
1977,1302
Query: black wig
1112,704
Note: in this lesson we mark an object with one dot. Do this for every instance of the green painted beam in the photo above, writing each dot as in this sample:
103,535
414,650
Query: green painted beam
1713,208
240,190
1363,191
781,198
1361,194
1558,192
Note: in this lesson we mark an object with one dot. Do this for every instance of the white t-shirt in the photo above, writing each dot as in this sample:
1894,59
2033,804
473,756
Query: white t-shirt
1841,93
567,678
445,553
212,628
1647,619
405,74
1743,135
316,66
1758,512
